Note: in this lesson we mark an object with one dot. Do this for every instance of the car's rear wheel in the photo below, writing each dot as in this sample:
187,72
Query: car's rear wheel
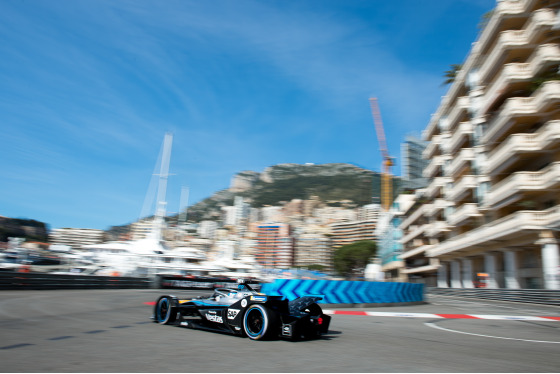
259,322
165,312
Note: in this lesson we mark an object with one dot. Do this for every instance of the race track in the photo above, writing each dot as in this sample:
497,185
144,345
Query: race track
110,331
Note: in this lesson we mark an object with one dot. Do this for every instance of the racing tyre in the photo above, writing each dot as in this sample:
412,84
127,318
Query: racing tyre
259,322
165,312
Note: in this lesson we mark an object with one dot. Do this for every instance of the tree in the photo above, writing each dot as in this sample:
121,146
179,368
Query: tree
452,73
351,259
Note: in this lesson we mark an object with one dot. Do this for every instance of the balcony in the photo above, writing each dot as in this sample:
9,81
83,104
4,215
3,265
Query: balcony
413,233
508,227
461,215
457,112
518,146
415,252
437,206
436,228
418,213
541,21
436,187
512,188
463,132
432,147
544,56
503,11
508,40
432,267
465,184
546,98
460,162
435,166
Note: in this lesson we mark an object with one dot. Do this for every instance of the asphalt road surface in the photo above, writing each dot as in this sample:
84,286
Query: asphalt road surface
110,331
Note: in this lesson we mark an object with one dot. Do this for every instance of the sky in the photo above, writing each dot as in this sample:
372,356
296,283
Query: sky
88,89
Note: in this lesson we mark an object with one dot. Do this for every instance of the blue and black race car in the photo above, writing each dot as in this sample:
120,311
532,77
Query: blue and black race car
246,312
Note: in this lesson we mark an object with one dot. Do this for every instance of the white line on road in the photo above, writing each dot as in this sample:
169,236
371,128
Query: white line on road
430,324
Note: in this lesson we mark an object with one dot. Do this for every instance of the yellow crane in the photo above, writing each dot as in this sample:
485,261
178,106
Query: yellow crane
387,161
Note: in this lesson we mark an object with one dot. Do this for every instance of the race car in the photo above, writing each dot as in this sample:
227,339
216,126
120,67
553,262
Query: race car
245,312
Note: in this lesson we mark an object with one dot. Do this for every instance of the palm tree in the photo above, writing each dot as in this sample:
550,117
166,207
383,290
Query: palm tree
452,73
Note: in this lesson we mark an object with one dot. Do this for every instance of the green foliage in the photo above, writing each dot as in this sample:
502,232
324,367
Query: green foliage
315,267
331,183
484,20
351,259
538,81
451,74
356,188
28,229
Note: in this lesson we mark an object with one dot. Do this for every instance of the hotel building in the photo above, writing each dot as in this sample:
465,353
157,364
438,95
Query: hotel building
490,215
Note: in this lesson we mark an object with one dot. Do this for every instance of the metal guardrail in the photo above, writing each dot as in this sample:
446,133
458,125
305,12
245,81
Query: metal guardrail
47,281
548,297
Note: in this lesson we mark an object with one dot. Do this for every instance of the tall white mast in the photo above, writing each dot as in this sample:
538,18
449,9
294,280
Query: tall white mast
162,187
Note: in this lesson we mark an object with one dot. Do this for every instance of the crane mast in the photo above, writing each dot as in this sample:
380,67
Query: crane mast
387,161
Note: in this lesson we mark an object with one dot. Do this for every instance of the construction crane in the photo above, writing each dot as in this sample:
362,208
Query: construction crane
387,161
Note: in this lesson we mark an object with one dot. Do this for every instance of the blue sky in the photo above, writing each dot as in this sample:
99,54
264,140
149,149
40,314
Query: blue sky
89,88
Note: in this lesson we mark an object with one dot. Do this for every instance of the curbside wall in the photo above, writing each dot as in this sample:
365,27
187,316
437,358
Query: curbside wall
348,292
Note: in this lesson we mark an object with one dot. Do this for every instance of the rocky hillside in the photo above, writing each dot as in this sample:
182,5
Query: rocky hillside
22,228
332,183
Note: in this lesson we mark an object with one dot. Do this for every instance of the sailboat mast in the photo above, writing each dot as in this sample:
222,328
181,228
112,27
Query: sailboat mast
163,176
161,204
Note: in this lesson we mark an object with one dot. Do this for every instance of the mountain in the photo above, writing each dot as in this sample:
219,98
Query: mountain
332,183
22,228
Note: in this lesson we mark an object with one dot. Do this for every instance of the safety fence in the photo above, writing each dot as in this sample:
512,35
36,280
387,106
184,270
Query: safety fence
549,297
49,281
191,283
348,292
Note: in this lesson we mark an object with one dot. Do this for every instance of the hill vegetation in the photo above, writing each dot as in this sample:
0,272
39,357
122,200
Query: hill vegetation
331,183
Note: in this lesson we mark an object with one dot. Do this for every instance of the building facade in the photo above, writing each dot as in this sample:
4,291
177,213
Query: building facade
412,162
343,233
491,212
275,246
75,237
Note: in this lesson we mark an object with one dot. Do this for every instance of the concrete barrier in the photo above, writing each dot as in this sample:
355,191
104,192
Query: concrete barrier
47,281
548,297
348,292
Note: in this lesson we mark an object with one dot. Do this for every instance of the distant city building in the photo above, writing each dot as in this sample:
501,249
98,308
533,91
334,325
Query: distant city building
142,228
343,233
76,238
389,235
412,163
313,247
207,229
275,245
271,214
369,212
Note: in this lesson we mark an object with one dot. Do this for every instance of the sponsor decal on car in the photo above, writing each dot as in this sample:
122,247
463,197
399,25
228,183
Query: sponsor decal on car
243,303
232,313
214,317
258,298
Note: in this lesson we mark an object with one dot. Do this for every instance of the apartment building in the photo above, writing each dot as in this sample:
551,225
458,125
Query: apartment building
490,215
275,245
313,248
76,237
348,232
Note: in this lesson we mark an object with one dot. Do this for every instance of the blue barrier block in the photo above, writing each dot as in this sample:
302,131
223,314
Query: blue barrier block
347,292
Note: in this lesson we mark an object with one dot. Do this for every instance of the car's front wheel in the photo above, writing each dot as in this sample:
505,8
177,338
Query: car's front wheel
259,322
165,312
